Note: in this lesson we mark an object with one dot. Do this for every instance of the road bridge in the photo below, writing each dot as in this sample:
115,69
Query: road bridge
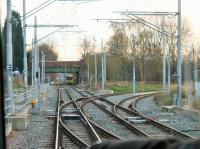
53,68
74,67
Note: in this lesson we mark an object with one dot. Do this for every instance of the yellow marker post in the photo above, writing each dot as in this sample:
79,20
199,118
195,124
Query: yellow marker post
33,103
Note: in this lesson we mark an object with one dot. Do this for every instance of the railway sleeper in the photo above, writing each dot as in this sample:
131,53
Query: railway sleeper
71,116
132,118
136,121
69,110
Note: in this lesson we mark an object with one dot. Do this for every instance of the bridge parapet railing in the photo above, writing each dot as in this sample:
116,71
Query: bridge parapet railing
20,101
23,99
8,107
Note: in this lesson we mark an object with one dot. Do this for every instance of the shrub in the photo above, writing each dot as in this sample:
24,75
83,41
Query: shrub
196,104
163,99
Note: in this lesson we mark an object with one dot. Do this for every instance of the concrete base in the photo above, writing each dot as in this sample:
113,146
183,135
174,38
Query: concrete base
8,128
167,108
20,122
102,92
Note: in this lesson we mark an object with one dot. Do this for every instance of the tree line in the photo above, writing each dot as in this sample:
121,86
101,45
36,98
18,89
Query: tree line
148,46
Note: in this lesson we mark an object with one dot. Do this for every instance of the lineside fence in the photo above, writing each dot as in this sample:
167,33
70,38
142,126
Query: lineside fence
19,102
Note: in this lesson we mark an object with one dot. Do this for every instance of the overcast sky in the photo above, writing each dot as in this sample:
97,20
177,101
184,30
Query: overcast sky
79,13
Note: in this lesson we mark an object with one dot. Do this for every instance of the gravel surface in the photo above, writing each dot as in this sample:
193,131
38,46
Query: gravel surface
80,129
40,131
105,121
108,105
148,128
119,98
181,121
64,96
74,93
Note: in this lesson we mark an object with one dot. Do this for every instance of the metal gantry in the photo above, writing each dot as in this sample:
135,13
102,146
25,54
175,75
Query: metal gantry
9,42
134,16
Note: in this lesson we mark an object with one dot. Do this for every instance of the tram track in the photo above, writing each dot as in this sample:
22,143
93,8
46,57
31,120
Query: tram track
162,126
107,118
74,129
110,121
102,133
76,125
152,128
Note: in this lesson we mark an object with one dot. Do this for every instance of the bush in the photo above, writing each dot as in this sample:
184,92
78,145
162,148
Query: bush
163,100
196,104
140,87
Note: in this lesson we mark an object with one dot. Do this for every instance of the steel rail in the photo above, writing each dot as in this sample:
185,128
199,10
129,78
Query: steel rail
66,131
155,123
101,130
98,140
120,120
164,128
69,132
57,122
161,125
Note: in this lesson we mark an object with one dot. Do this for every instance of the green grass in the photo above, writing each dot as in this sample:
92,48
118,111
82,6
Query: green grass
139,87
196,104
163,100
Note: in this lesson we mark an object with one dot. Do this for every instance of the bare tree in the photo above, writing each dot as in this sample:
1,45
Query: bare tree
119,42
86,45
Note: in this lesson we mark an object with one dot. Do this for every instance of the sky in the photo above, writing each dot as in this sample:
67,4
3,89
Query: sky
83,13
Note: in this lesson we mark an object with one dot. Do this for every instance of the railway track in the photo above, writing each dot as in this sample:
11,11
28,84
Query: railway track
106,119
137,120
103,134
152,128
74,130
157,124
110,121
75,126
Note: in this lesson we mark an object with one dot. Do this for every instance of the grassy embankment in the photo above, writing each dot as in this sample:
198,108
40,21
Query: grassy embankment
123,87
187,89
160,99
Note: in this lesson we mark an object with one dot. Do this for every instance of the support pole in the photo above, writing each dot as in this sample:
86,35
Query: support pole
36,75
102,64
44,69
95,67
133,59
168,70
104,53
88,69
179,58
42,77
24,46
196,72
38,80
33,65
9,54
164,59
